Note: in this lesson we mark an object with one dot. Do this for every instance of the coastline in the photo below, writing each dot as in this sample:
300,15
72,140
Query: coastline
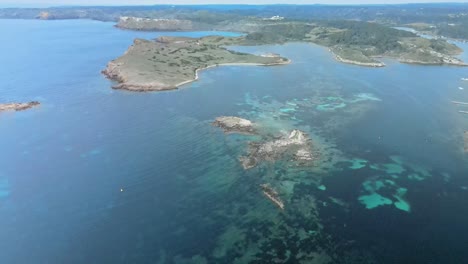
414,62
400,60
229,64
364,64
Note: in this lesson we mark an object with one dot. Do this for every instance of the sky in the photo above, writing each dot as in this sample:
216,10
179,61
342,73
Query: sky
42,3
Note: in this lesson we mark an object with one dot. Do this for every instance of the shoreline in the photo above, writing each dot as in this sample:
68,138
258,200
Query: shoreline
229,64
400,60
364,64
413,62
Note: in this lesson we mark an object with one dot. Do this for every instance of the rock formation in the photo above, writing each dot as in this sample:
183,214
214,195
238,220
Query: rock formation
18,106
272,194
297,144
232,124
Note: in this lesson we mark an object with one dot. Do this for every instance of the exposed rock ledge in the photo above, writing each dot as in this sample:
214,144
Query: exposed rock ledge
17,106
232,124
273,195
297,143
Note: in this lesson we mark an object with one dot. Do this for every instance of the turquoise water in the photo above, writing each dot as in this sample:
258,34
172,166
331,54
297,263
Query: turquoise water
104,176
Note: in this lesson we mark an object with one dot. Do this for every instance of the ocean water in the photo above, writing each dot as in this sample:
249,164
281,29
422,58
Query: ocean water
96,175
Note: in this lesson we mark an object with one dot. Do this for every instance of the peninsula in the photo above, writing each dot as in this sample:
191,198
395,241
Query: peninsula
18,106
169,62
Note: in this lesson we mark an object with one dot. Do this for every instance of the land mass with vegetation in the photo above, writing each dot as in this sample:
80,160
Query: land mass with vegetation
442,19
358,35
170,62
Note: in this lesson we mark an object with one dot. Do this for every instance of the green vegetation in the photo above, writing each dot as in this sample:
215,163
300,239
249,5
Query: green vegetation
279,33
457,31
359,42
354,33
450,19
352,39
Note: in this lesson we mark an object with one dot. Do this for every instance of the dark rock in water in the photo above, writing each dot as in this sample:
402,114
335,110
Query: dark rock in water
232,124
18,106
273,195
297,143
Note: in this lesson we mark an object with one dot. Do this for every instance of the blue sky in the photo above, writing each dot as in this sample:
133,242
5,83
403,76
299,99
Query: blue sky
151,2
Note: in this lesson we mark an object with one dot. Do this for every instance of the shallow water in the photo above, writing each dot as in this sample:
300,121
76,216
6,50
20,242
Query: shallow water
106,176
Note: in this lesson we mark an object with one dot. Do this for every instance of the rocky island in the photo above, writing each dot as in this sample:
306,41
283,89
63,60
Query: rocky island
232,124
296,143
18,106
169,62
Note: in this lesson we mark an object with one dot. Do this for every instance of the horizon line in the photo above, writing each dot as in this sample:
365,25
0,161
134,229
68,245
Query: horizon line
35,5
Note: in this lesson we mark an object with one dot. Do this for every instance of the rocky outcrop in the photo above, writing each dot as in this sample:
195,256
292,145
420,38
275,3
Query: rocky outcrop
18,106
125,81
147,24
303,154
232,124
273,195
297,143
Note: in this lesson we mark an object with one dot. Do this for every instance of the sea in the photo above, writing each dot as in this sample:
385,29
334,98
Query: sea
96,175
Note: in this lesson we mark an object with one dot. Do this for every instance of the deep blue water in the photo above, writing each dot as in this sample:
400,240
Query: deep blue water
95,175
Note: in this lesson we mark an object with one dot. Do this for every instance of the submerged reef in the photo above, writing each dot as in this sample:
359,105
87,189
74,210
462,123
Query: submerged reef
288,155
387,188
18,106
232,124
